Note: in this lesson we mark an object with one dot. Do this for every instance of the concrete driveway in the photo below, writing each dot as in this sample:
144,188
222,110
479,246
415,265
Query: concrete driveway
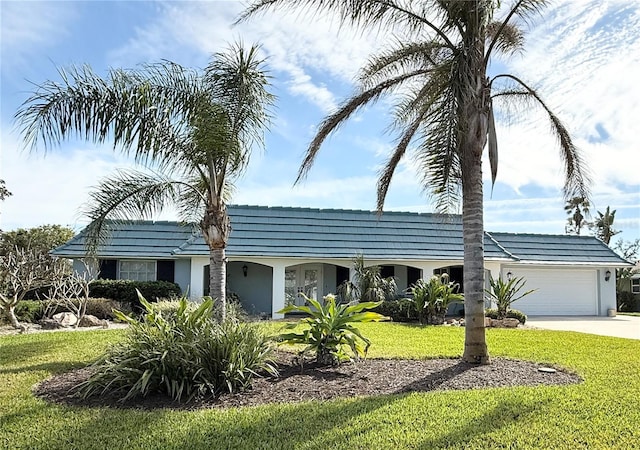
619,326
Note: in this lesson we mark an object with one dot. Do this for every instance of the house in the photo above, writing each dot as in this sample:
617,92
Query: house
274,253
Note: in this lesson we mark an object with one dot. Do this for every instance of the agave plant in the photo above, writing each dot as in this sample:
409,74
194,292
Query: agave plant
432,298
330,329
503,294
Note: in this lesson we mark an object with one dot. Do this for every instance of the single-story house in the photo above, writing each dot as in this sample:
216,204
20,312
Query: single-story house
274,253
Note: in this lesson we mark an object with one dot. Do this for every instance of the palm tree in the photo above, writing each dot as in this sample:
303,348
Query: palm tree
444,108
603,225
577,208
193,130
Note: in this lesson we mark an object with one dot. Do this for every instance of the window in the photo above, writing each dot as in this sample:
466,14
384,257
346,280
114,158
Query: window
138,270
635,285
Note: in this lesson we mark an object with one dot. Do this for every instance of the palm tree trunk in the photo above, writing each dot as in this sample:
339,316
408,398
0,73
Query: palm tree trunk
475,116
216,228
218,278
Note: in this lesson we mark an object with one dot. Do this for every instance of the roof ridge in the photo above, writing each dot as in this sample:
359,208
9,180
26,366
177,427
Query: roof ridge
500,246
340,210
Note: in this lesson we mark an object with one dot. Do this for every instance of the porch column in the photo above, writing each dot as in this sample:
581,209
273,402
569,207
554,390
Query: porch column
277,295
197,278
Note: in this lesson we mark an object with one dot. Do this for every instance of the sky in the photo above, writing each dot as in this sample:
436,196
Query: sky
583,56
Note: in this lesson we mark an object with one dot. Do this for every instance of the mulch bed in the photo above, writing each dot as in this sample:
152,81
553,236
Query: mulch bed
363,378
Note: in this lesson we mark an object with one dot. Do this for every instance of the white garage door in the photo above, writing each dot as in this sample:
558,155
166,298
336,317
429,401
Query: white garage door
561,292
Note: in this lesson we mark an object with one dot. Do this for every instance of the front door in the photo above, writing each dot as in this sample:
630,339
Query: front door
303,279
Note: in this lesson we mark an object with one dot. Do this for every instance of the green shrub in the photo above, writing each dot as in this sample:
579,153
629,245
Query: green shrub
330,329
125,291
27,311
627,302
183,353
432,298
511,314
401,310
103,308
505,294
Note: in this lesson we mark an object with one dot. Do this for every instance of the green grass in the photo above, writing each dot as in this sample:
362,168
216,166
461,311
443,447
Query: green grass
601,413
629,314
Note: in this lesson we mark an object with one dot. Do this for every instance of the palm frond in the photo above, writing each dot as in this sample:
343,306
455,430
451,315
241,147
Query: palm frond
576,174
343,113
409,15
126,195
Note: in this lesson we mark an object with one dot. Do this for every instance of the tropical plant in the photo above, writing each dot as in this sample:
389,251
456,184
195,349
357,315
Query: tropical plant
181,352
330,329
603,225
368,284
432,298
193,132
504,294
577,208
445,106
511,314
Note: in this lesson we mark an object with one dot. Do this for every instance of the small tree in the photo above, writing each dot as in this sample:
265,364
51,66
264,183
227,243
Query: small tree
505,294
20,272
432,298
71,290
43,238
578,209
602,226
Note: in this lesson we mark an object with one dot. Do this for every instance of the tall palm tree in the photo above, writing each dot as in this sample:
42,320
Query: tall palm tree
603,225
195,130
577,208
444,107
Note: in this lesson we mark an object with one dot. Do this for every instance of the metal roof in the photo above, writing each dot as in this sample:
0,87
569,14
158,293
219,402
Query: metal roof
260,231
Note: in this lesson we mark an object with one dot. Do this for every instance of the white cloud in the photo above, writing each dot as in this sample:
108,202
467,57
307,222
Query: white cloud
586,63
31,26
51,188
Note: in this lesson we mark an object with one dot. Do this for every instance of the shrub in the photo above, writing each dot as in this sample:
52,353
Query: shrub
125,291
401,310
627,302
28,311
330,329
505,294
184,354
103,308
432,298
510,314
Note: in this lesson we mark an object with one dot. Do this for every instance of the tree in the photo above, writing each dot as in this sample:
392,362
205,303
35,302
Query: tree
436,73
4,192
193,130
42,239
603,225
21,271
577,208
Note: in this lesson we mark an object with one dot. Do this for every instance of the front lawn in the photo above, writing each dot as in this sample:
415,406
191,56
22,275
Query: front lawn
602,412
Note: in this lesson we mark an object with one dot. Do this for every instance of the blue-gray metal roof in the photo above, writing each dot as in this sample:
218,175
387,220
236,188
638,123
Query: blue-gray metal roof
260,231
557,248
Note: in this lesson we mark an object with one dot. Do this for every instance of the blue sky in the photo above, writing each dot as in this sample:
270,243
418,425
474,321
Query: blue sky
583,56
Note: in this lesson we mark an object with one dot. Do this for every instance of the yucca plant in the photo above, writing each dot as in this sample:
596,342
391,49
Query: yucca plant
330,329
183,353
504,294
432,298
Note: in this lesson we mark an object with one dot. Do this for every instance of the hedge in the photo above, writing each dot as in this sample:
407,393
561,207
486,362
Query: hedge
125,290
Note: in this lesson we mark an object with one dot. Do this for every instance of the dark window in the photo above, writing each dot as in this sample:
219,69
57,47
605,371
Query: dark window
342,275
166,270
413,275
387,271
108,269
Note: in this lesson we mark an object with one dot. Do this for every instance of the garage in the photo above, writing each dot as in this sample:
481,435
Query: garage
559,291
